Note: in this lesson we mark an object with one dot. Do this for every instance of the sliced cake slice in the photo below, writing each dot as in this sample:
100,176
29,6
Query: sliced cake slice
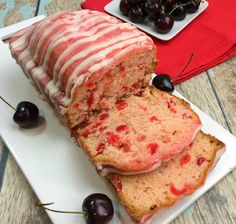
138,132
145,194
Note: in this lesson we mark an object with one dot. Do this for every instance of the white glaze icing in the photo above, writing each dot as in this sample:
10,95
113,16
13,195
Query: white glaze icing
104,39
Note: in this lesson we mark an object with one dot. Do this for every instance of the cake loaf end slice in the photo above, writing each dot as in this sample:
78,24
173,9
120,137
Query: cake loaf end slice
145,194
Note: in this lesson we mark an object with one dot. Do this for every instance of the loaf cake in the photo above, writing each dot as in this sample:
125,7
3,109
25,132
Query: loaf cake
95,70
144,195
80,58
86,62
143,130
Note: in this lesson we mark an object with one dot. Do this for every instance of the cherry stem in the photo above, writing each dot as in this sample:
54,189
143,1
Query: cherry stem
177,7
185,67
58,211
8,103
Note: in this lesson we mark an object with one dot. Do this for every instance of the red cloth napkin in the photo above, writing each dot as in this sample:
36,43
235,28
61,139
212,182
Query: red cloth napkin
211,37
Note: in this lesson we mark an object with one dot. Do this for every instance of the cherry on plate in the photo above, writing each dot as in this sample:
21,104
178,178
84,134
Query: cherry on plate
163,23
163,82
99,209
192,6
137,14
152,8
178,12
125,6
26,114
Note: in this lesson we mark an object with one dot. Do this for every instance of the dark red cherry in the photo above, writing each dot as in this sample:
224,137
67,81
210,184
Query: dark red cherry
163,23
178,12
168,4
125,6
26,114
163,82
183,1
136,14
153,8
137,1
99,209
192,6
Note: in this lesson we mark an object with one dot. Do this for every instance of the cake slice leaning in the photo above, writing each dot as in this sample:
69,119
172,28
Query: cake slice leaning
137,133
146,194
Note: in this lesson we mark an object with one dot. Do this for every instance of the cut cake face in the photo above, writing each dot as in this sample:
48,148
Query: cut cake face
138,133
145,194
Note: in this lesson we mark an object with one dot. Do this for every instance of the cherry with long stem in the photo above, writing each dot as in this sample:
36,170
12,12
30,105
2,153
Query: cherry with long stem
164,82
58,211
185,67
7,103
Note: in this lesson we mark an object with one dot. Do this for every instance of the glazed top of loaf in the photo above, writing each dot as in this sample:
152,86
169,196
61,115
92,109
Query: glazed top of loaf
67,47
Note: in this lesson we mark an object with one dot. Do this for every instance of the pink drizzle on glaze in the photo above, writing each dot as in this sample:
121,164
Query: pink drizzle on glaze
34,46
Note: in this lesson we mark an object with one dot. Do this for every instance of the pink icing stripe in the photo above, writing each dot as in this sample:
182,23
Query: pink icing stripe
67,36
89,51
63,30
39,28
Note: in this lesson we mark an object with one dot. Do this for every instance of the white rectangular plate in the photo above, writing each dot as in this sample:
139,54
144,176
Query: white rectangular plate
57,169
147,26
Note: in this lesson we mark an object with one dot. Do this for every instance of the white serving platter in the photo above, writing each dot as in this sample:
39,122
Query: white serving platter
147,26
56,168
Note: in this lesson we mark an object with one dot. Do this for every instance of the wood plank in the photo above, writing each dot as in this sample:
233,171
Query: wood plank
17,200
217,205
62,5
223,80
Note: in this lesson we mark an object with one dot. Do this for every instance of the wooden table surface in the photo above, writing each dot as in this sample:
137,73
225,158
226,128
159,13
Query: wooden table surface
212,91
